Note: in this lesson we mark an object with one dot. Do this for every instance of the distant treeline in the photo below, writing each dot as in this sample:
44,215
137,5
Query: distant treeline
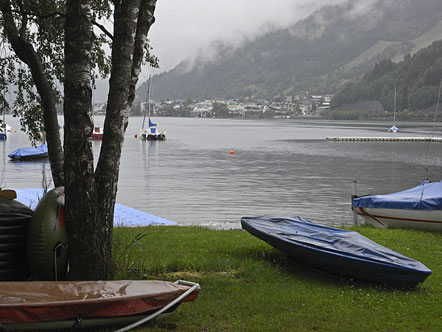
416,81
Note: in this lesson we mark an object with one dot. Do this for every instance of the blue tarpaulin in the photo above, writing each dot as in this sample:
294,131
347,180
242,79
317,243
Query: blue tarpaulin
33,151
336,250
123,215
426,196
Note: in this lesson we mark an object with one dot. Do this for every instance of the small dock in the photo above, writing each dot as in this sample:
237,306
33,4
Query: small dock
384,139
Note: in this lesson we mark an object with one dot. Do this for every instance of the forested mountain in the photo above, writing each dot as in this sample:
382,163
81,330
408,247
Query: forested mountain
416,81
333,45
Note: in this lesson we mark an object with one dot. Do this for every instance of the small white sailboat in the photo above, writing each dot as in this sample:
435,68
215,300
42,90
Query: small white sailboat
394,129
151,133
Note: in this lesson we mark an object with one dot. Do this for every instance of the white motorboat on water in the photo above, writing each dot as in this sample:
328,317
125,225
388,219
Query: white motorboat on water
416,208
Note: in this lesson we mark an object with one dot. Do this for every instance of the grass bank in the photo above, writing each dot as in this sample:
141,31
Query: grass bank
247,285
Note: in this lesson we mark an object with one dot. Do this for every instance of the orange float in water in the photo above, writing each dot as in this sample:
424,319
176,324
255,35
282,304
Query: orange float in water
232,152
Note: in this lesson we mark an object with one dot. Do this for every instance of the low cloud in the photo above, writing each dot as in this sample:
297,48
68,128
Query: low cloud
186,29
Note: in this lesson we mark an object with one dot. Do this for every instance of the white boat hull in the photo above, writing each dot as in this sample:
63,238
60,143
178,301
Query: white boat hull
430,220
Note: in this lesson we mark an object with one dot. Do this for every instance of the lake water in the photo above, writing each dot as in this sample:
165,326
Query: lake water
284,167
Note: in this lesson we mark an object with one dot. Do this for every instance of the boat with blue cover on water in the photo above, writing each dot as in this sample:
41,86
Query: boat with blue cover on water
31,153
336,251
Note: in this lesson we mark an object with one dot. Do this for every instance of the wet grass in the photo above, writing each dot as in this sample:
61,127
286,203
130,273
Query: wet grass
247,285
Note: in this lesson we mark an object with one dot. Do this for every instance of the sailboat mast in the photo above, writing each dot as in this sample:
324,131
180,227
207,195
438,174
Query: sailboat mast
148,103
394,107
148,98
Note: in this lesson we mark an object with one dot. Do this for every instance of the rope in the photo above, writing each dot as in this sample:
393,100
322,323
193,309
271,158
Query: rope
193,287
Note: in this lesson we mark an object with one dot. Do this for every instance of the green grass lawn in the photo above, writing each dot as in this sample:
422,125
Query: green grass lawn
247,285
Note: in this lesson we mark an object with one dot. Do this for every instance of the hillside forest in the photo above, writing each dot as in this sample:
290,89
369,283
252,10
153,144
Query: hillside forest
415,82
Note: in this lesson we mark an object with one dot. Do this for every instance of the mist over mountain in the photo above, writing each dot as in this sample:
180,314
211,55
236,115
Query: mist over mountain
318,54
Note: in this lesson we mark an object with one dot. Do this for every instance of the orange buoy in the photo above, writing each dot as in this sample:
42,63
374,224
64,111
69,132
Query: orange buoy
232,152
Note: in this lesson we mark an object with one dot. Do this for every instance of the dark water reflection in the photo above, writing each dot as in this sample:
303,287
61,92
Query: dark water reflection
279,167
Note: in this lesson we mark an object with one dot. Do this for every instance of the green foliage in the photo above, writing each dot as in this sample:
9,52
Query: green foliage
41,24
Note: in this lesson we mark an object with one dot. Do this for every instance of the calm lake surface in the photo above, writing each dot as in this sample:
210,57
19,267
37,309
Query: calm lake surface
284,167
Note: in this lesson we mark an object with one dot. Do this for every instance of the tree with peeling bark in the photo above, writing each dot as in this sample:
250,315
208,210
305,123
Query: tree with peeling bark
90,193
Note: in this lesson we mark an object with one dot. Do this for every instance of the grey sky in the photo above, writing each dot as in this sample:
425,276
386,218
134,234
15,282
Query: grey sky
185,28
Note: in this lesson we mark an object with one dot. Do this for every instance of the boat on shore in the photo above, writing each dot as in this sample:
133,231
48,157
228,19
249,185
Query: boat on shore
337,251
416,208
37,305
31,153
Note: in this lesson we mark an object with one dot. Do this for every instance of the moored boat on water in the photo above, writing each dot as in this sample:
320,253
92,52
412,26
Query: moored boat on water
336,251
31,153
416,208
4,128
97,133
151,133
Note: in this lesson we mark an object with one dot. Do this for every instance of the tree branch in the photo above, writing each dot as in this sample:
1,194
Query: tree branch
102,28
58,15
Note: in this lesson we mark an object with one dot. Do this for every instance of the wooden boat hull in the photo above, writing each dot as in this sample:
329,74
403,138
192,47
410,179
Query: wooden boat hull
337,251
428,220
57,305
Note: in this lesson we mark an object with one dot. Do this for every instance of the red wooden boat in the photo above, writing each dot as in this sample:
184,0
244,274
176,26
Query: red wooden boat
35,305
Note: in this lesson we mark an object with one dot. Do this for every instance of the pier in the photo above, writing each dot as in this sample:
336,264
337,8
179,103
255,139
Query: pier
385,139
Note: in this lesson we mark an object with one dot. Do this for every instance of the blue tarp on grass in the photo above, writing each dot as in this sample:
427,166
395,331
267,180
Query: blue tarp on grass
123,215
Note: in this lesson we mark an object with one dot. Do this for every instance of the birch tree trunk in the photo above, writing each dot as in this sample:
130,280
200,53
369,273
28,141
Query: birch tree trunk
85,234
90,197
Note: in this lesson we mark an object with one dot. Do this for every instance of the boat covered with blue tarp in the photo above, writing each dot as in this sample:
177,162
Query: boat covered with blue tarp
426,196
338,251
416,208
32,152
